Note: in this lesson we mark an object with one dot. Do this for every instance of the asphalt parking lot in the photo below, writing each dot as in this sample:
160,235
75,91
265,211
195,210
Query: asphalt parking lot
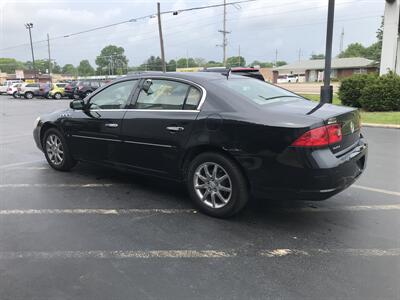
94,233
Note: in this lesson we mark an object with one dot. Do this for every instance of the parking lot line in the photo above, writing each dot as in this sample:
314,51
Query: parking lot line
158,254
376,190
95,211
125,211
57,185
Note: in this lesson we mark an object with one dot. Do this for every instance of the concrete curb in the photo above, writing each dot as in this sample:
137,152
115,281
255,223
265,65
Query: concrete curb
393,126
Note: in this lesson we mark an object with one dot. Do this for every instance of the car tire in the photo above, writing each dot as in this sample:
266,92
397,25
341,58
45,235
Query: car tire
57,96
227,184
28,95
56,151
15,95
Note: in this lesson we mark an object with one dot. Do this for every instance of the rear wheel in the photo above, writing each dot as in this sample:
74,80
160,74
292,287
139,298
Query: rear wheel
28,95
56,151
217,185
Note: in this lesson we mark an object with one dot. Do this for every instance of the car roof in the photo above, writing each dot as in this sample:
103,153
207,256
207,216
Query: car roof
197,77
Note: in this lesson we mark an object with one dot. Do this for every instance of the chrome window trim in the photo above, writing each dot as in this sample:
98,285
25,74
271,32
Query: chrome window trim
157,110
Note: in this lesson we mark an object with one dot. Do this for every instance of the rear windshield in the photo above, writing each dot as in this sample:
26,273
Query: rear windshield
258,91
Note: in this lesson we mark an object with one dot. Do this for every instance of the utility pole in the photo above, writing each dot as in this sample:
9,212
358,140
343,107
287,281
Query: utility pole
224,36
299,54
240,63
327,89
29,27
164,67
341,41
48,49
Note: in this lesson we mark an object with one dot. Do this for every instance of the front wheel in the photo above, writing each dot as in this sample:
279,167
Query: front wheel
216,185
56,151
28,95
15,95
57,96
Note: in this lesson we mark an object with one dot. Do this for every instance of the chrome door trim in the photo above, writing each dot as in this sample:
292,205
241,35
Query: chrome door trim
121,141
95,138
149,144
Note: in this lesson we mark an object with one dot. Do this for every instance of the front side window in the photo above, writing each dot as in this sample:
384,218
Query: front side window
115,96
168,95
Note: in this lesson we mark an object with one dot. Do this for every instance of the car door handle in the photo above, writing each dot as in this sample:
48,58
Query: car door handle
175,128
111,125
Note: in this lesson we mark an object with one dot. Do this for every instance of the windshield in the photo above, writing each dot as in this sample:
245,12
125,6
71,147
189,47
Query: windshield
258,91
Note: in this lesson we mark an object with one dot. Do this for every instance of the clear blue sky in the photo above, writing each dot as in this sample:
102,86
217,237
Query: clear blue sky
259,28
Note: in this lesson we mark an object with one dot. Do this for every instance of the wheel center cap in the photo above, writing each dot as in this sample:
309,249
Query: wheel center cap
213,185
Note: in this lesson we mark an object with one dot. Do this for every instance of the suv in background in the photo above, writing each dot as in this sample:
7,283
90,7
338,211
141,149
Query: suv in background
13,89
248,72
86,87
7,84
29,90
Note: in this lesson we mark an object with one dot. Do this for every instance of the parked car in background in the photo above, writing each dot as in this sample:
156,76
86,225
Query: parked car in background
69,89
86,87
29,90
8,83
248,72
44,90
225,138
58,90
13,89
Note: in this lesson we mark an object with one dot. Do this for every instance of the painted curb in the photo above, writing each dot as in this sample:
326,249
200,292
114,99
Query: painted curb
393,126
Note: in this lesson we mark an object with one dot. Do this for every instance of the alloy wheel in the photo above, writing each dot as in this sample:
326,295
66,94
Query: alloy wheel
54,149
212,185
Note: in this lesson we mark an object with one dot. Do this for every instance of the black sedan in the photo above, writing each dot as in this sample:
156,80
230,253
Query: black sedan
226,137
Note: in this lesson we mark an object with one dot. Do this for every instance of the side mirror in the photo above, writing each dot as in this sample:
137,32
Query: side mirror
146,85
77,104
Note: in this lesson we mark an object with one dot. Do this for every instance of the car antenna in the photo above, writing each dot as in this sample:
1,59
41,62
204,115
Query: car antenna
228,73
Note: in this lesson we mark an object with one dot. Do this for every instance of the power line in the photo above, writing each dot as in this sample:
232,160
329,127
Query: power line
151,16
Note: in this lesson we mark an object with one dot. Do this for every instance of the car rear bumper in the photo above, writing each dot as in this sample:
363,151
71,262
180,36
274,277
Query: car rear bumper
305,174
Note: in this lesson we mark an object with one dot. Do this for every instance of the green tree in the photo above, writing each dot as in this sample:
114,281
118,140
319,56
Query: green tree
261,64
186,62
213,64
236,61
112,58
68,69
171,66
317,56
281,63
9,65
85,69
56,68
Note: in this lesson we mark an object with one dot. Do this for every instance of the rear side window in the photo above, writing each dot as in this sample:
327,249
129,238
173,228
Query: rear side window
193,99
258,91
168,95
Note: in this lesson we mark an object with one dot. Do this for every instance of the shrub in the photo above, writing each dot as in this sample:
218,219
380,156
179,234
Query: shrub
382,95
351,88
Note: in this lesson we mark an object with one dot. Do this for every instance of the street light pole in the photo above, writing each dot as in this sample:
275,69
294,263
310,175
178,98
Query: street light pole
327,89
29,27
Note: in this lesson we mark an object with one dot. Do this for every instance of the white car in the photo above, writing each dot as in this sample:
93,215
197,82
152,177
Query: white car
4,87
13,89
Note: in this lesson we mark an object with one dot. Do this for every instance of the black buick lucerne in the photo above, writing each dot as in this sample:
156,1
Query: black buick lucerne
225,137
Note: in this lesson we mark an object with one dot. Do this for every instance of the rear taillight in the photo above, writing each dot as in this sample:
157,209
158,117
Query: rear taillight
321,136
